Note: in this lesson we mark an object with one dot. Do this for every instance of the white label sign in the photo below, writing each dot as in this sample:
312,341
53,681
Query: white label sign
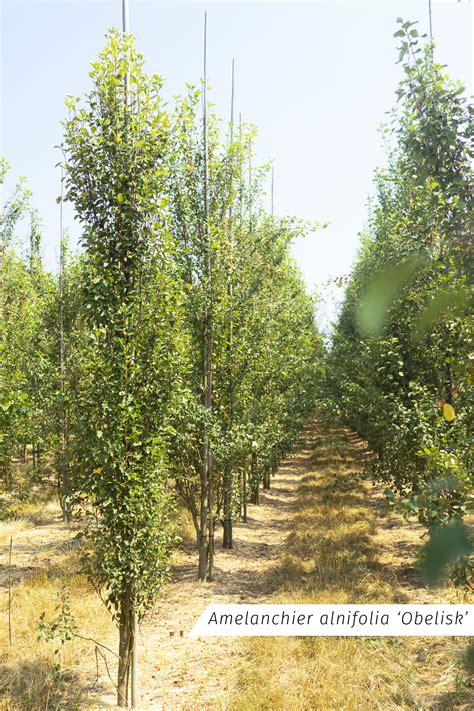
335,620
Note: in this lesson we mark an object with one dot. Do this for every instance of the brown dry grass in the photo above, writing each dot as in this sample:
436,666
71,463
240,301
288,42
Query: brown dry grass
45,557
319,535
29,675
347,547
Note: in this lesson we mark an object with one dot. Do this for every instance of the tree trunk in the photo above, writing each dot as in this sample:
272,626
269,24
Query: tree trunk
206,547
125,634
210,555
254,480
266,477
241,496
227,543
135,685
245,497
65,494
202,542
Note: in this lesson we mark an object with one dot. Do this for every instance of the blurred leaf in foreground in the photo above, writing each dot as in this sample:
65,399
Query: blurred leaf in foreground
381,293
470,657
444,303
445,546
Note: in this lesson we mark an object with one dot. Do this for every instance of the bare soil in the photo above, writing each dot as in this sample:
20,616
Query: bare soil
178,672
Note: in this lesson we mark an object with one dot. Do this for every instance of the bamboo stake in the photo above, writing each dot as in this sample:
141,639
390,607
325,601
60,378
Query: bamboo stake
232,102
227,540
61,290
250,185
272,190
209,334
241,179
243,490
33,267
10,592
125,30
130,651
62,362
135,662
206,502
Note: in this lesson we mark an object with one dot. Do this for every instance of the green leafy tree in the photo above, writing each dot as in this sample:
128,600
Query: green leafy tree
250,296
406,323
114,151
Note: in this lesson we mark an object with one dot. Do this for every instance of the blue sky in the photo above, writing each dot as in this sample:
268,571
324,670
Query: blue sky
315,77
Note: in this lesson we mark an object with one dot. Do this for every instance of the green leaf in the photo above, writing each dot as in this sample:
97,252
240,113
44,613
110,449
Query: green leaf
381,293
447,302
446,546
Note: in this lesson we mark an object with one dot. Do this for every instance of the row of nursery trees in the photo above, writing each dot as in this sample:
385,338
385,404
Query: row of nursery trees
175,357
405,328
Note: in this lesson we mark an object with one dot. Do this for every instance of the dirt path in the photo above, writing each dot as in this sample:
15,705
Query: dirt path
318,535
34,549
179,672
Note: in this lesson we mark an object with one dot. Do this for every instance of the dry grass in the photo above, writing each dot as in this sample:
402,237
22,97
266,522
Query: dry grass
46,558
340,552
342,545
31,513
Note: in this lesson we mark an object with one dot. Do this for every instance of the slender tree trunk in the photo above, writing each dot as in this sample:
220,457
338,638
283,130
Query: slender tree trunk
266,477
240,484
256,493
64,483
227,543
275,466
210,557
206,547
135,685
125,635
244,496
254,480
203,510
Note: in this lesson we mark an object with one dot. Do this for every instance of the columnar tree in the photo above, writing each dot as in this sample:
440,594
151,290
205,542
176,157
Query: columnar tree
114,150
22,283
406,323
250,270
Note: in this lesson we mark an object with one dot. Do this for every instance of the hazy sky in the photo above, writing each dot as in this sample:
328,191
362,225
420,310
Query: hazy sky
315,77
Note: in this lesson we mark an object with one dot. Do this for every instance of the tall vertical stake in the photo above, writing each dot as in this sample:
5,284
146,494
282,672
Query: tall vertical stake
133,668
232,102
228,474
61,293
65,503
271,189
206,156
10,591
431,25
206,551
241,186
250,184
135,687
125,16
125,30
243,479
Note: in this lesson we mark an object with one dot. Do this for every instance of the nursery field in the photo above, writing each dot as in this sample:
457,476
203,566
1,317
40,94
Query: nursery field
176,428
320,534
